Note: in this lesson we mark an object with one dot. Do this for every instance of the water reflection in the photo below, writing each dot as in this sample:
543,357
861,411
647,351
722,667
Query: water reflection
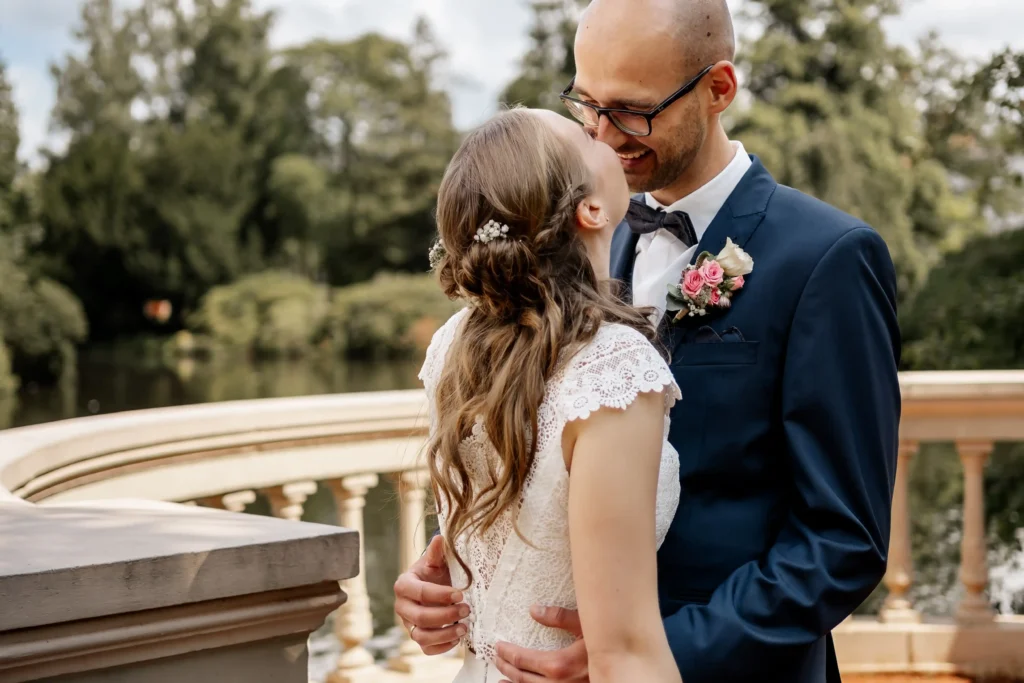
105,385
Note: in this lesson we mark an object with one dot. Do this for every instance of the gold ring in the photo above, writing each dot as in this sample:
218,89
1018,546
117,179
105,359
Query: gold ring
412,630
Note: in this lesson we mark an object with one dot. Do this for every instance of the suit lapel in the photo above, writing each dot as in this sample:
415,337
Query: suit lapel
624,243
742,213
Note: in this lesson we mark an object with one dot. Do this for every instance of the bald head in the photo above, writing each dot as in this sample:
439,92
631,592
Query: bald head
701,31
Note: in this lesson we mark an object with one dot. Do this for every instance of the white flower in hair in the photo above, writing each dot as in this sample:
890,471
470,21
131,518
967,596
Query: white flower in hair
492,230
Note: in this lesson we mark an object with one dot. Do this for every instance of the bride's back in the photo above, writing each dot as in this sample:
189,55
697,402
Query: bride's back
526,203
512,571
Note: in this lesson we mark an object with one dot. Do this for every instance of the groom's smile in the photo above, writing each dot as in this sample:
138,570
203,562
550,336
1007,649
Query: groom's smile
634,162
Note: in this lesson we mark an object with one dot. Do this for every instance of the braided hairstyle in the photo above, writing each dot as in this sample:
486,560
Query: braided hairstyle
535,300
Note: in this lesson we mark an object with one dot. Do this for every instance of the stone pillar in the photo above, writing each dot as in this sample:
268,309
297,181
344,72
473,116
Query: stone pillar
899,574
412,488
353,623
974,607
286,501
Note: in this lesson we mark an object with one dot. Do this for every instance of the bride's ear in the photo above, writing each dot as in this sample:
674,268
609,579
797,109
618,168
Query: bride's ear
590,215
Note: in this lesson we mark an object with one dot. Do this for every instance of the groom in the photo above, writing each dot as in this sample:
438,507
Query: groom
787,431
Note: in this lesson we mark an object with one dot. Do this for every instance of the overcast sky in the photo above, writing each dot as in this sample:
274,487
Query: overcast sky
485,38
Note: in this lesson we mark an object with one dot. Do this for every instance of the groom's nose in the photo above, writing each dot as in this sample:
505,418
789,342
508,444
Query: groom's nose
609,134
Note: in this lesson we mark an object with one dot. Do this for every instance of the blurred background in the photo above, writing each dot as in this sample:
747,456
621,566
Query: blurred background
207,200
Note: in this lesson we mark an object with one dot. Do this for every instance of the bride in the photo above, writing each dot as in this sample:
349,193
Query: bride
554,481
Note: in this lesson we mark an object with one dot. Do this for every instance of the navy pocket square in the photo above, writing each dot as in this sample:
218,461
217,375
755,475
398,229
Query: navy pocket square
733,334
706,335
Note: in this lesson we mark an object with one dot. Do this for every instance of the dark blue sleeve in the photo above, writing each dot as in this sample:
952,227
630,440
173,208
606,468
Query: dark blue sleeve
840,410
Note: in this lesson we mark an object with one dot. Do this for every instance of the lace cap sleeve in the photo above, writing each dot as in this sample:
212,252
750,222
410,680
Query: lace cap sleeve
433,364
611,371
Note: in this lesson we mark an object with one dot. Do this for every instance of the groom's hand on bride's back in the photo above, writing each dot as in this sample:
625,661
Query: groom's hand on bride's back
569,665
428,606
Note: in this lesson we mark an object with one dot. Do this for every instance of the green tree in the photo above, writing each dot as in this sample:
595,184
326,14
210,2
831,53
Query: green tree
973,123
40,321
970,313
384,136
9,141
175,115
834,113
549,63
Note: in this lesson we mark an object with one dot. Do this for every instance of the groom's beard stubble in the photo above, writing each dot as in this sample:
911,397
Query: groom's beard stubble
671,162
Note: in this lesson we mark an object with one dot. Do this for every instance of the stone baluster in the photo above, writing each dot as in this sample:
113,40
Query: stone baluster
899,574
236,502
353,623
412,488
286,501
974,607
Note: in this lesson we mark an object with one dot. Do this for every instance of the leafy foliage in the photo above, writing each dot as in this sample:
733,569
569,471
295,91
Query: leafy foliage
279,314
198,154
970,313
393,315
267,314
549,63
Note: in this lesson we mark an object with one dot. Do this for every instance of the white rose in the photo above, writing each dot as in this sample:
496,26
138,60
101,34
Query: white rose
734,261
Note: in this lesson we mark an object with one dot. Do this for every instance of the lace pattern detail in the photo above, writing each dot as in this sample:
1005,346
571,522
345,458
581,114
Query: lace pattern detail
613,370
510,574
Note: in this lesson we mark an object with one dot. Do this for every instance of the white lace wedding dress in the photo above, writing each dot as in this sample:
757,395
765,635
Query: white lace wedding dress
509,574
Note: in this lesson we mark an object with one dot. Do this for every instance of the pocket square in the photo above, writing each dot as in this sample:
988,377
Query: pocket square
706,335
733,334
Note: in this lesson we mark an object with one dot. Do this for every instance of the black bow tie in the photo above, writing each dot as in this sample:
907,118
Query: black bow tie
643,220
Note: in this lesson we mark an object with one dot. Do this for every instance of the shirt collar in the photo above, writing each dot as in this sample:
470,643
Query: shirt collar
704,203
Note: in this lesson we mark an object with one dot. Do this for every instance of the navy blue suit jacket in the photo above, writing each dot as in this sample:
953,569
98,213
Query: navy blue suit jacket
787,436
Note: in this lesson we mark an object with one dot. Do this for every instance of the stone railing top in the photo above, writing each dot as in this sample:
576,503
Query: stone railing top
29,453
62,563
960,385
246,444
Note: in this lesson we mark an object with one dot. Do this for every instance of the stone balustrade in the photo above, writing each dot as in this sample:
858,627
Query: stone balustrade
226,455
974,411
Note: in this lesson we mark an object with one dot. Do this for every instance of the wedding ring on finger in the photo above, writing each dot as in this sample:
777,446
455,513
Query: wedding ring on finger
412,630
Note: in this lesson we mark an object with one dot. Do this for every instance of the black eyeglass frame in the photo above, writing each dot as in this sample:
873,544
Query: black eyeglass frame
648,116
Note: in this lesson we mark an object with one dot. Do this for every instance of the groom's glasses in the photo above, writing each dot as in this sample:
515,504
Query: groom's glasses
630,122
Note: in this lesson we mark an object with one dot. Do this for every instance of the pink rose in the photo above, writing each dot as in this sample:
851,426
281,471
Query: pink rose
693,282
737,283
712,272
716,297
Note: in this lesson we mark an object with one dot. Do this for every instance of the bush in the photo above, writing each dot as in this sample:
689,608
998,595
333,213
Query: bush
42,322
970,313
391,316
8,382
270,314
276,314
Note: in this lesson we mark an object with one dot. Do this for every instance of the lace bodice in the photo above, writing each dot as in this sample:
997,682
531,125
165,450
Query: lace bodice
509,574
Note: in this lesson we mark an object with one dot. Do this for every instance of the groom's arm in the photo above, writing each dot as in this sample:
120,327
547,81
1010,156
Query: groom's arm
840,410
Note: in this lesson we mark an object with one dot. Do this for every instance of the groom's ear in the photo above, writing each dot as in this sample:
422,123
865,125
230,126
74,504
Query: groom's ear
590,214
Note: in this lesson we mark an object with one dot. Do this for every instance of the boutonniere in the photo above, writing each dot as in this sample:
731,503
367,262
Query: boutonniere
712,281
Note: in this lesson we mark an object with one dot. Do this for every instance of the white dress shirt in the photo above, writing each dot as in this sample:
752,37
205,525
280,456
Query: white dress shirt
660,255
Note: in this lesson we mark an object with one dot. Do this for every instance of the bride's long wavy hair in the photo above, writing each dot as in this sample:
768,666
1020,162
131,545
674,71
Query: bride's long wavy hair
534,300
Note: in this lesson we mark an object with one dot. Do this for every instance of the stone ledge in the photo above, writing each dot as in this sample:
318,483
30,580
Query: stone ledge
61,564
109,642
865,646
